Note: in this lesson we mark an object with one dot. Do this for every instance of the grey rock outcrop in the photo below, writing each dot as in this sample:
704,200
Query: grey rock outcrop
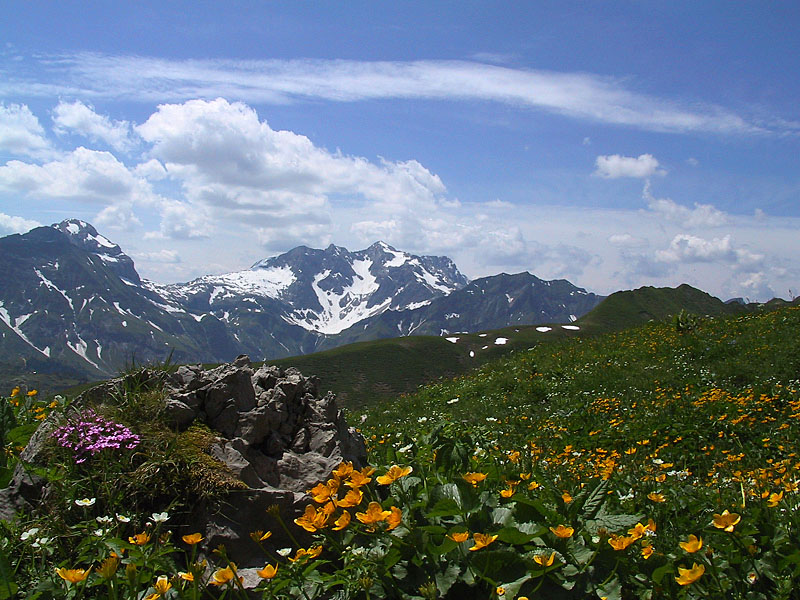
275,434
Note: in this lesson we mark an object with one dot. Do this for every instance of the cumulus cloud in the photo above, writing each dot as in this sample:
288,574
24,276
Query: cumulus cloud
702,215
10,224
577,95
164,256
82,119
685,248
21,134
626,240
613,166
237,167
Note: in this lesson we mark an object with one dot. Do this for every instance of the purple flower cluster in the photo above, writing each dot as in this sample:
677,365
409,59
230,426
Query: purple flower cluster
91,434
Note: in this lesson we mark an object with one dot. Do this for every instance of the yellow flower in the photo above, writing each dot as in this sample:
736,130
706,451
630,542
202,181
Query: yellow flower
474,478
162,585
109,567
32,393
186,576
533,485
359,478
140,539
774,499
312,552
508,492
343,470
313,519
692,544
374,514
459,536
544,560
514,456
620,543
322,492
566,497
647,551
562,531
393,474
342,522
500,590
656,497
193,538
727,520
687,576
223,576
394,519
14,392
73,575
482,540
351,498
268,572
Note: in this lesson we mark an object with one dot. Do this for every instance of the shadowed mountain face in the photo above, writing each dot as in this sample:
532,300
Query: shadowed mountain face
78,307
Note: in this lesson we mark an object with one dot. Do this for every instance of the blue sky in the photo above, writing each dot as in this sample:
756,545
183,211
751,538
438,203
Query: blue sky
613,144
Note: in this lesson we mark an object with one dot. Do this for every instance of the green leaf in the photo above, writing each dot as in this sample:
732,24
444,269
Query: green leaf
6,474
20,436
446,507
611,590
515,537
8,588
444,581
613,523
502,516
661,572
595,499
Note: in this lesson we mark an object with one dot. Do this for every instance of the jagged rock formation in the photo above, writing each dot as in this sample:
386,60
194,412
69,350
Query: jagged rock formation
276,435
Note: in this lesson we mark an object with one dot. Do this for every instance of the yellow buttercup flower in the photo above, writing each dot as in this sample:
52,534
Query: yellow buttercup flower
774,499
647,551
322,492
727,520
393,474
32,393
73,575
193,538
359,479
374,514
342,522
474,478
268,572
566,497
394,519
351,498
312,552
562,531
162,585
692,544
620,543
656,497
459,536
482,540
109,567
186,576
343,470
544,560
140,539
223,576
637,531
688,576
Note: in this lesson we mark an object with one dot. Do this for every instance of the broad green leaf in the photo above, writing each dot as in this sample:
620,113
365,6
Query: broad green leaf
661,572
502,516
445,507
613,523
513,536
444,581
611,590
595,499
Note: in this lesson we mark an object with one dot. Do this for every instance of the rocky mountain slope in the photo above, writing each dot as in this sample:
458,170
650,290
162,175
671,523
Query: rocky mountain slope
79,308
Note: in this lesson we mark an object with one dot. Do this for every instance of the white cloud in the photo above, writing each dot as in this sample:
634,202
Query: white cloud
702,215
626,240
84,175
613,166
577,95
83,120
237,167
685,248
21,133
10,224
163,256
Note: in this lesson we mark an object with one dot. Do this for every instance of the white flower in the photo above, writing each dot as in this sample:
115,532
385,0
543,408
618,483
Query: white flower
123,519
86,501
40,542
491,419
99,532
285,552
105,520
452,401
405,448
422,420
30,533
160,517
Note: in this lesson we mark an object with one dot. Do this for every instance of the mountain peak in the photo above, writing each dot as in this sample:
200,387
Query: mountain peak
85,236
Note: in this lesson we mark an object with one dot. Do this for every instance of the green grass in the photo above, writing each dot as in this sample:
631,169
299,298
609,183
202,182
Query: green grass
602,455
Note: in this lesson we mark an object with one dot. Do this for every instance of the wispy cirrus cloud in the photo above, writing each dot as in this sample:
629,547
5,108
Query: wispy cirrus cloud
577,95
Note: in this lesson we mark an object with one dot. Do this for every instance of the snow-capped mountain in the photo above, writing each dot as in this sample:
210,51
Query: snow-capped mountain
323,291
77,306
